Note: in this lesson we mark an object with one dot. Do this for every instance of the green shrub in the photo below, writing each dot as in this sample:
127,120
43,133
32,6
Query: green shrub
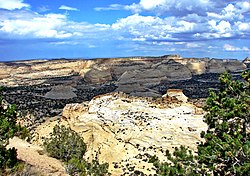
181,162
83,168
68,146
8,128
65,144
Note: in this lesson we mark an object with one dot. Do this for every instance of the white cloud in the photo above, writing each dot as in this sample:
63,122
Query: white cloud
230,12
220,27
13,4
40,26
110,7
55,27
244,6
152,28
43,9
180,7
229,47
193,45
150,5
243,26
64,7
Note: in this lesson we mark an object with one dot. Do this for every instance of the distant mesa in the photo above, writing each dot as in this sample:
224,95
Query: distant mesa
138,76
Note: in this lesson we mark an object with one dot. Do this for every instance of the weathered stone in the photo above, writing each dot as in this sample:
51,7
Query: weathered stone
197,67
61,92
98,76
215,66
234,65
117,128
177,93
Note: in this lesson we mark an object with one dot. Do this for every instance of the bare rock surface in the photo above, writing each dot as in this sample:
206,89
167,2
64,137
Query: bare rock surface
30,154
61,92
123,130
177,93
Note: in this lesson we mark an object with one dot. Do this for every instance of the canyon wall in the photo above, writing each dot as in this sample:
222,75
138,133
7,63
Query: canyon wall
135,76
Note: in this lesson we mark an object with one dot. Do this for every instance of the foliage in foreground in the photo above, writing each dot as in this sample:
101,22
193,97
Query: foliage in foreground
226,150
180,163
8,129
66,145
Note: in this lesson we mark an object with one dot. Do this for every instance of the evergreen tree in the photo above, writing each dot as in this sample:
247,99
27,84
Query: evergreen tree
8,129
226,150
227,147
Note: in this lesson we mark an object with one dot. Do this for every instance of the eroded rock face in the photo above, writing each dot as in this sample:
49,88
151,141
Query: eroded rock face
234,65
61,92
123,130
197,67
136,76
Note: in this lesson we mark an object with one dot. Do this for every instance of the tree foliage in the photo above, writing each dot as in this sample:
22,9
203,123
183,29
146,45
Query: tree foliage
226,150
8,129
66,145
181,162
227,147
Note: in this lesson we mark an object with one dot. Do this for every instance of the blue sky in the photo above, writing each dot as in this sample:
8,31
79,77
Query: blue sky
31,29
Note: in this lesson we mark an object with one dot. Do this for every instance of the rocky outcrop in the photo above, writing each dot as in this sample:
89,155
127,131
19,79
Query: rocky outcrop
234,65
97,76
61,92
197,67
215,66
246,61
123,130
176,93
140,80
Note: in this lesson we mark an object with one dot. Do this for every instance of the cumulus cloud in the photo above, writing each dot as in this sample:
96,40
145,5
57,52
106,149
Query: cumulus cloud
221,27
242,27
153,28
154,25
150,5
177,7
57,26
229,47
64,7
13,4
40,26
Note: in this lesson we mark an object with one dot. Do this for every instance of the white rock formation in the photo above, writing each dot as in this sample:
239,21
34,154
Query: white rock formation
118,129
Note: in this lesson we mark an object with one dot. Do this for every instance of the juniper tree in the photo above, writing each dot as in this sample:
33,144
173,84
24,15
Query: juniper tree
8,129
227,147
226,150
